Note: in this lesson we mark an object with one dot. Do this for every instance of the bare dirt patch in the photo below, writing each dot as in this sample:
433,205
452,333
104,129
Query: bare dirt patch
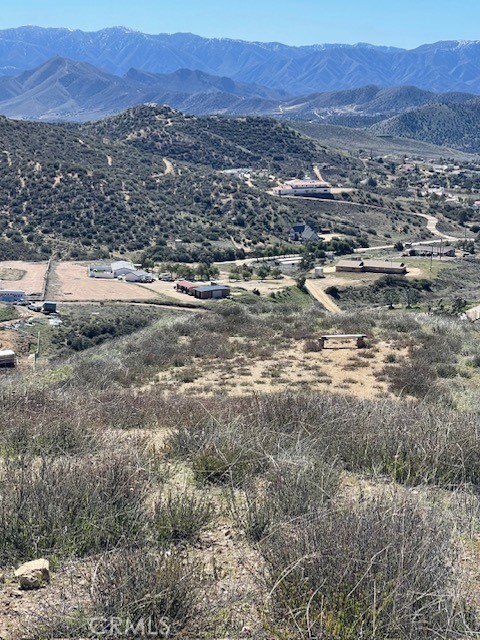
70,281
32,279
340,368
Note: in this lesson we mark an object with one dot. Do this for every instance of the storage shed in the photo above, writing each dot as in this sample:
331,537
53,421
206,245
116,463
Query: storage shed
211,291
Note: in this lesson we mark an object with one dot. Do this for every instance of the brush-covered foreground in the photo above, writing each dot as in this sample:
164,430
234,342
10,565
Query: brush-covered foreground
300,512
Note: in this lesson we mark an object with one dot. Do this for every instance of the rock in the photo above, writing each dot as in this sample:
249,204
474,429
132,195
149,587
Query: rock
34,574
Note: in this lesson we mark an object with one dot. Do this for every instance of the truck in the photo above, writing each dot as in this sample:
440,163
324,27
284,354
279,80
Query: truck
49,307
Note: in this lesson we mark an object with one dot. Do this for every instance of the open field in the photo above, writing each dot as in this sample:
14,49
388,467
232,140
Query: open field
339,368
27,276
70,281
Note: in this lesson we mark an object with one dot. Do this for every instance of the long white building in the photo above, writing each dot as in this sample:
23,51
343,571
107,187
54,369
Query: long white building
304,188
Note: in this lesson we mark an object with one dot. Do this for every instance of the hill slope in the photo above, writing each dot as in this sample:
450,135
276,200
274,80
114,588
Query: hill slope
75,190
456,125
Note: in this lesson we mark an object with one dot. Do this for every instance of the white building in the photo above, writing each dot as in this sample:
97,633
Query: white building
137,276
121,268
100,271
304,188
11,296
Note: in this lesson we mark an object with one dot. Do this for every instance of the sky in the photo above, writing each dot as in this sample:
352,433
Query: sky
407,23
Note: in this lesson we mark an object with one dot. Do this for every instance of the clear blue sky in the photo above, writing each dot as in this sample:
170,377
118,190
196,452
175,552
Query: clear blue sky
405,23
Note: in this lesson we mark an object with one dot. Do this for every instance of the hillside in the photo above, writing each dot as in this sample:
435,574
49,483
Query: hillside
224,478
66,90
91,190
354,140
442,66
357,106
455,125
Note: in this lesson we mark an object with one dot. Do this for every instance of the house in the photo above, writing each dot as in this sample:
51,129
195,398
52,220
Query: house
121,268
184,286
11,296
211,291
137,276
372,266
309,187
303,232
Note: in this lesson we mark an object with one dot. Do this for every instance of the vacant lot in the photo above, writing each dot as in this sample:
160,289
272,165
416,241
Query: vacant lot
70,281
27,276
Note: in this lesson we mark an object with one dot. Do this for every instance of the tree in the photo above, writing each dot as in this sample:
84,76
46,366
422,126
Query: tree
263,271
300,282
391,297
411,296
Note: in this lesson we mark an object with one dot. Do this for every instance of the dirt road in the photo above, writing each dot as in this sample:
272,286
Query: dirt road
315,289
169,169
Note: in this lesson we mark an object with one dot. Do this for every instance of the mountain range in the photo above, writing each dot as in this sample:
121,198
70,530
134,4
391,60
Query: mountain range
114,69
442,66
63,89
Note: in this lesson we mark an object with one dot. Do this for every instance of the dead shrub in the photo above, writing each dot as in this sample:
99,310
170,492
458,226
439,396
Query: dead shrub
68,506
162,589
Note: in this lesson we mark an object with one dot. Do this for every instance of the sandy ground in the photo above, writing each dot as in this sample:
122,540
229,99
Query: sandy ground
341,367
264,286
70,281
31,282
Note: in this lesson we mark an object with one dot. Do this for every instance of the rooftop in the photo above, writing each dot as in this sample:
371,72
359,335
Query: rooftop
212,287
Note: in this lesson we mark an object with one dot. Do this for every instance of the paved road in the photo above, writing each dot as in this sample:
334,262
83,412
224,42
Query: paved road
315,289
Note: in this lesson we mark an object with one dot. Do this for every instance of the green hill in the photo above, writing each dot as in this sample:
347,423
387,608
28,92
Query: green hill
92,190
455,125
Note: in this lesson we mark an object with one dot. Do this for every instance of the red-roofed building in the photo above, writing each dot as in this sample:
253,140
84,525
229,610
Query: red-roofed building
185,286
